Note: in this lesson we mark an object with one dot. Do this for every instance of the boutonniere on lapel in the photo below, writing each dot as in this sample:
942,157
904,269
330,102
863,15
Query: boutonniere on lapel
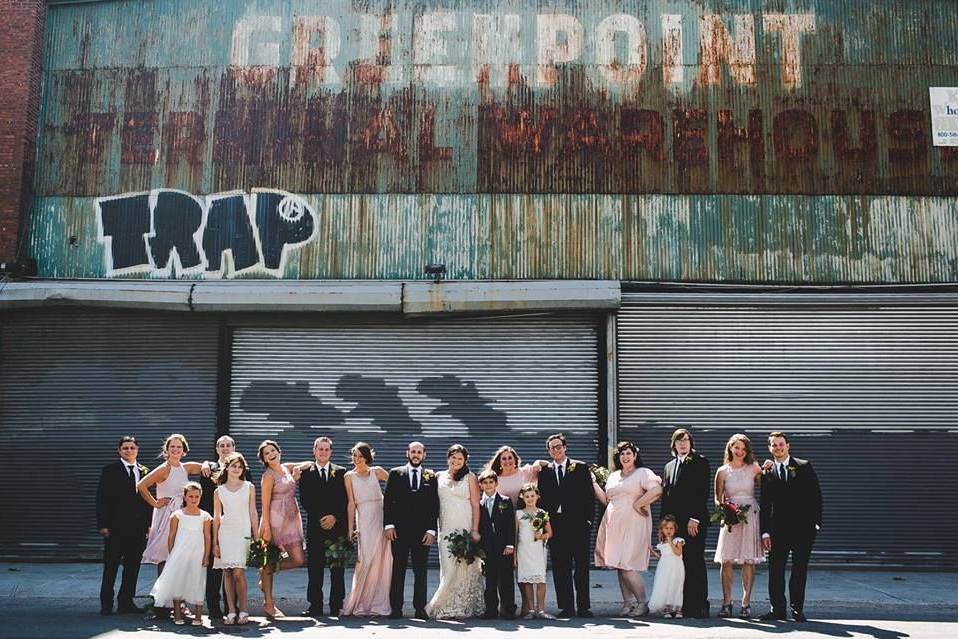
791,472
427,475
572,466
332,472
503,505
687,460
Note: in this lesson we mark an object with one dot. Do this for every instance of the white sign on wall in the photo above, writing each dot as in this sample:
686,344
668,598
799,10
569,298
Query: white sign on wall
944,115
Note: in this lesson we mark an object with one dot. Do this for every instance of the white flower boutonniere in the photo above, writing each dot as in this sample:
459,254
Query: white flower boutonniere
427,475
572,466
791,472
687,460
503,505
332,472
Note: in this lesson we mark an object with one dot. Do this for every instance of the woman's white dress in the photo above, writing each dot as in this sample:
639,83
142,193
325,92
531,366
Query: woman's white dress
235,530
669,580
184,577
461,585
530,552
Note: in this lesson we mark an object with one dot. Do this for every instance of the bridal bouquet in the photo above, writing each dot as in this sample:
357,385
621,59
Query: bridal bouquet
728,514
339,552
262,554
463,548
600,474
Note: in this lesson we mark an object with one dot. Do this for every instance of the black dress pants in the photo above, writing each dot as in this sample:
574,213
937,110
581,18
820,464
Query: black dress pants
695,592
403,548
316,567
500,584
124,549
569,550
800,549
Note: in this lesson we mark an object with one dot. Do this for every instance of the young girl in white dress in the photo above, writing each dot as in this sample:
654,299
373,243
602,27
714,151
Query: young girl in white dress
531,555
666,596
234,522
184,577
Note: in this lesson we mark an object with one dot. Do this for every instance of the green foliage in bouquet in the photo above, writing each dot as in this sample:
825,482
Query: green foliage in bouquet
264,554
463,548
600,474
339,553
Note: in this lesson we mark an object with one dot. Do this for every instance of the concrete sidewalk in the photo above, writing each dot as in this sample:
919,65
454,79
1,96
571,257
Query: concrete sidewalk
38,601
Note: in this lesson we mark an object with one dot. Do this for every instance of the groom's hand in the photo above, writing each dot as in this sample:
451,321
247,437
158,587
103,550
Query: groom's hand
327,522
767,544
427,539
693,528
391,534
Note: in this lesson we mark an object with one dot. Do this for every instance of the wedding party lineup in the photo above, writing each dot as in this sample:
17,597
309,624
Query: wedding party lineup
503,526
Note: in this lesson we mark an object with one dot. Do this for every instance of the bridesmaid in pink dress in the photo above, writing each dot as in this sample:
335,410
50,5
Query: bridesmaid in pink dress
369,596
624,541
735,481
507,464
281,522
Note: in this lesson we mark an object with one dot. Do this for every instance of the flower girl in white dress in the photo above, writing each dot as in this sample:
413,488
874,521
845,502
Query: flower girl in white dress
184,577
666,596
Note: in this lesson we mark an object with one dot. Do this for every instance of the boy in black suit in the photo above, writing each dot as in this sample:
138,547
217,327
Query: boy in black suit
497,529
322,491
123,519
791,516
410,515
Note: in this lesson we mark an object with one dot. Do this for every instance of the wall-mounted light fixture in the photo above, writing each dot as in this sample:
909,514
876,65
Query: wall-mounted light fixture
436,270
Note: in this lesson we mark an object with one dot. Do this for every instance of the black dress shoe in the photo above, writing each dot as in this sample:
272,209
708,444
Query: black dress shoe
106,612
312,612
334,612
771,615
490,614
585,614
395,614
565,614
421,614
132,609
798,615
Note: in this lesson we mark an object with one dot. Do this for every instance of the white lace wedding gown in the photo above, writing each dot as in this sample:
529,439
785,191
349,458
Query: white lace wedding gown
461,585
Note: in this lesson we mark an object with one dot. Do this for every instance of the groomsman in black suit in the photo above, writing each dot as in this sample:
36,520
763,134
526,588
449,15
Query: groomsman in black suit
685,495
410,515
322,491
497,530
565,487
215,595
123,519
791,516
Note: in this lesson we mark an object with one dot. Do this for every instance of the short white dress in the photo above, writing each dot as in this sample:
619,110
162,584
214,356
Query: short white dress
184,577
669,580
530,553
235,532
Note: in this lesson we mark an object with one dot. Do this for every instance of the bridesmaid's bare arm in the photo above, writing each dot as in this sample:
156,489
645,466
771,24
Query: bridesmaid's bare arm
719,487
155,476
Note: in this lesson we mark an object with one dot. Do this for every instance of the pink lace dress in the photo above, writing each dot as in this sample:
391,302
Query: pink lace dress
285,522
743,544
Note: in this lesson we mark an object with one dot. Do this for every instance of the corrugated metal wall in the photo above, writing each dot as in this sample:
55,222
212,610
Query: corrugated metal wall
868,394
71,384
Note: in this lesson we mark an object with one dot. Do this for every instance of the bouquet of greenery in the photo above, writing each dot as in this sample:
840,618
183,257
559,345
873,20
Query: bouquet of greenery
264,554
463,548
339,552
600,474
538,520
728,514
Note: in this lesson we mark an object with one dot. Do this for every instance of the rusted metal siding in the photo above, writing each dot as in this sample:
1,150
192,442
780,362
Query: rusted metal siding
792,239
693,96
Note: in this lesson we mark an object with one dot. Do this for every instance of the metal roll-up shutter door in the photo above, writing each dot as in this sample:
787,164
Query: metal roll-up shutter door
479,382
71,384
869,394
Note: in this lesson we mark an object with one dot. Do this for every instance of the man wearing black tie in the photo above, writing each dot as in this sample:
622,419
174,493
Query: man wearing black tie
123,519
410,517
565,487
322,491
791,516
685,495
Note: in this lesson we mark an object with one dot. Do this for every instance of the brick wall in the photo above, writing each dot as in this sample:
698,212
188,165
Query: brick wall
21,51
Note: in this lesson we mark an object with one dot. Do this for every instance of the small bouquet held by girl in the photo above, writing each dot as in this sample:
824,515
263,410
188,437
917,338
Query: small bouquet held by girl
533,530
263,553
666,598
729,513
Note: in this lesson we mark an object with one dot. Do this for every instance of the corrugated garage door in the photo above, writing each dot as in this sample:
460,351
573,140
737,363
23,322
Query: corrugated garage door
480,382
869,394
71,383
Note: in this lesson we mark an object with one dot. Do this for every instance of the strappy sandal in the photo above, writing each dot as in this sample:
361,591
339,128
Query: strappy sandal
243,617
229,619
725,611
198,621
745,612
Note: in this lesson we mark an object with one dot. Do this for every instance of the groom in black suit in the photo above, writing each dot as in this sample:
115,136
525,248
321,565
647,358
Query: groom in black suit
410,517
322,491
565,488
123,519
497,530
791,516
685,495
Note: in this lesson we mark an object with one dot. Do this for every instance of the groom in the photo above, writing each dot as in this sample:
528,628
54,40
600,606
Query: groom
685,495
791,516
410,515
565,486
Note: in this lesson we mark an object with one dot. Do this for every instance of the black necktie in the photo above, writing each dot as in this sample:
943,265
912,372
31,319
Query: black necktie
678,468
559,470
132,476
415,480
322,472
781,472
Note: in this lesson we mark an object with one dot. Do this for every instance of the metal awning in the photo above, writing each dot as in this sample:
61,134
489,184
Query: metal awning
414,298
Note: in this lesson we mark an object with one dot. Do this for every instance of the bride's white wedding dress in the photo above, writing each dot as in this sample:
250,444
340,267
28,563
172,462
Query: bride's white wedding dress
461,585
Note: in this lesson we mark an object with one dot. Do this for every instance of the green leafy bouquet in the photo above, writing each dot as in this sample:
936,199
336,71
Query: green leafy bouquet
263,554
538,520
463,548
600,474
339,552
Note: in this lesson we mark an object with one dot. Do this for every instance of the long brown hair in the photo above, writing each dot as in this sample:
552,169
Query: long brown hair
223,473
739,437
495,464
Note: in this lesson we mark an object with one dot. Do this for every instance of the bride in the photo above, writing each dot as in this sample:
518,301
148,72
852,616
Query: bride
461,585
